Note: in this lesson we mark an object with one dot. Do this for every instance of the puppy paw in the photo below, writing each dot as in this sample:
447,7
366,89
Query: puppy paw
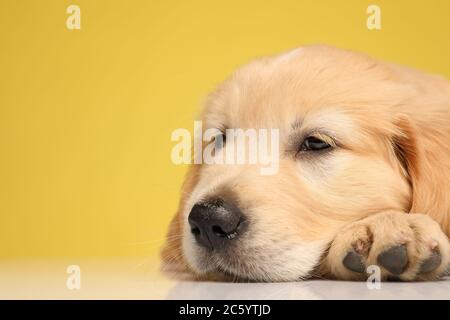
406,247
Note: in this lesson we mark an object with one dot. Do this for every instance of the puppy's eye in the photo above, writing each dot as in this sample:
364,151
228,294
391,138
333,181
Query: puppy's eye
219,140
314,144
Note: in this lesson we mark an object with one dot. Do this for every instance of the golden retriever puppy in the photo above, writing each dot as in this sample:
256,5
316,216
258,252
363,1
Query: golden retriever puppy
363,175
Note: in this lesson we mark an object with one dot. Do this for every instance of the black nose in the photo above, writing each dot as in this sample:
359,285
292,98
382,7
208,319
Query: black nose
215,223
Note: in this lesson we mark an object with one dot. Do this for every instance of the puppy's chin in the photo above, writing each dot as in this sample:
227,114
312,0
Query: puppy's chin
264,264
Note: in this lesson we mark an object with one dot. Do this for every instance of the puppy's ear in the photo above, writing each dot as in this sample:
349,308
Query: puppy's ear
408,154
173,261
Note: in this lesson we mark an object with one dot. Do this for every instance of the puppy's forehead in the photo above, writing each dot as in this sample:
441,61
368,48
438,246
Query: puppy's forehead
275,91
267,92
261,94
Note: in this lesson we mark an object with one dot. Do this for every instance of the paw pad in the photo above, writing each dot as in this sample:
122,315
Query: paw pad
431,263
394,259
353,262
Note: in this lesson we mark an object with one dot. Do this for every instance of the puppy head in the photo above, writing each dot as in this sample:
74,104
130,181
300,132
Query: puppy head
337,163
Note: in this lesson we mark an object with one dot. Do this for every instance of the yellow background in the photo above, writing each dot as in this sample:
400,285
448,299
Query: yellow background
86,115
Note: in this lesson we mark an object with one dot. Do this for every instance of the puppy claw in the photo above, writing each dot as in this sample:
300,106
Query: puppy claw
394,259
400,244
432,263
394,279
353,262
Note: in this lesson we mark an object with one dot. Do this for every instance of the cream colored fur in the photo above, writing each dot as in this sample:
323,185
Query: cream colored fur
387,182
